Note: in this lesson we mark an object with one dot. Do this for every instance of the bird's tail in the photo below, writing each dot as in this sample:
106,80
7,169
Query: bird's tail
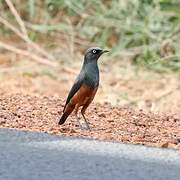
66,113
63,119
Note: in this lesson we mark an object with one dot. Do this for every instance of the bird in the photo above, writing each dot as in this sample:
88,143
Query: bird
84,88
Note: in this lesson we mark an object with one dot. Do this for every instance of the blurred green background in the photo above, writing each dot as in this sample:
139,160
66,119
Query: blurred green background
146,31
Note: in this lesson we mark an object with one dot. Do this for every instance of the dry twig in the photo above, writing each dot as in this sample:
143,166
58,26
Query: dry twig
23,35
18,18
25,38
28,54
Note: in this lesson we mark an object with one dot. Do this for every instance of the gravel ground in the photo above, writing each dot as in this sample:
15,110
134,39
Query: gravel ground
41,113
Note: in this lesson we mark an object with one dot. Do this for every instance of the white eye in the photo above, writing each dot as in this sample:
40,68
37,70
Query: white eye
94,51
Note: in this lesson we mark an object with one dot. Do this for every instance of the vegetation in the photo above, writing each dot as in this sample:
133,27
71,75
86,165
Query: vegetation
145,31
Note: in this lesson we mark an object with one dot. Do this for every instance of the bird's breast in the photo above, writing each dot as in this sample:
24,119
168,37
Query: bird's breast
84,95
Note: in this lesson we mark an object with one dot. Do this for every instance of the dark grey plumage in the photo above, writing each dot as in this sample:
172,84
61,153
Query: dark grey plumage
89,76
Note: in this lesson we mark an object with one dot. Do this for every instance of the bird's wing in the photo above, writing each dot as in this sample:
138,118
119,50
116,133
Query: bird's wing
76,86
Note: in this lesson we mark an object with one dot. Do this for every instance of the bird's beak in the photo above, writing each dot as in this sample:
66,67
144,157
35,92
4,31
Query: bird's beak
102,52
105,51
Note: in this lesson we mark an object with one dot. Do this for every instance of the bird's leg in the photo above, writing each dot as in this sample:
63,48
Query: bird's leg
77,117
78,120
85,120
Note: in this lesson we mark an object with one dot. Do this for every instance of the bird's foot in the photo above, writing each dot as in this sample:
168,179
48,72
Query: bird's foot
82,125
86,126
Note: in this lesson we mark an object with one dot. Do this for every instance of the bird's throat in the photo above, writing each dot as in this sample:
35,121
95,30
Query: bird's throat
91,71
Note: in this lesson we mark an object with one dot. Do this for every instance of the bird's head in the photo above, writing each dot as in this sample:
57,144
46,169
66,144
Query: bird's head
93,54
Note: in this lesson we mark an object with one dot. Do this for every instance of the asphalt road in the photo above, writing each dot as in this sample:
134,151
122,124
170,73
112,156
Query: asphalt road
38,156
